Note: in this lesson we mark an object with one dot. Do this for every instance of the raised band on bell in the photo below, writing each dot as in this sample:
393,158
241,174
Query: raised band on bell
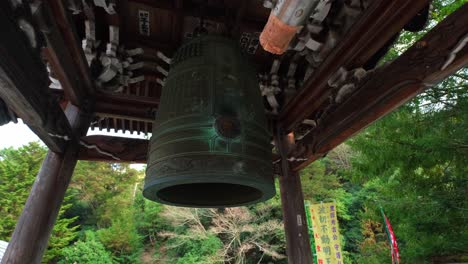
210,144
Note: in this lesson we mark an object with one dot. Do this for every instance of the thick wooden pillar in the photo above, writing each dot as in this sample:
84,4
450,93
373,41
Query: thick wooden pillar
32,232
31,235
292,202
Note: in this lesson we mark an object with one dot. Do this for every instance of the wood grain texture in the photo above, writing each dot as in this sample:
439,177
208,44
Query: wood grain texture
292,203
57,54
31,235
118,105
24,82
63,20
30,238
132,107
391,86
379,23
130,150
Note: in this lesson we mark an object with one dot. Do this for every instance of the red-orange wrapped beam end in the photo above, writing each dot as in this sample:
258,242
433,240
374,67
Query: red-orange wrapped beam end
276,35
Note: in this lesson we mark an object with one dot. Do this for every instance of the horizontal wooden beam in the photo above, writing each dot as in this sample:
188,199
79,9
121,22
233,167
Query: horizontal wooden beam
120,105
378,24
114,149
24,78
122,149
135,40
131,107
78,88
118,149
128,99
420,67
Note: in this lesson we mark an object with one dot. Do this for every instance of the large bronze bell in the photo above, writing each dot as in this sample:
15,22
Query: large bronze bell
210,145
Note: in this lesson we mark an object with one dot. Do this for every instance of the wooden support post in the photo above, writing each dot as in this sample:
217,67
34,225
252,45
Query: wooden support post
31,235
292,202
32,232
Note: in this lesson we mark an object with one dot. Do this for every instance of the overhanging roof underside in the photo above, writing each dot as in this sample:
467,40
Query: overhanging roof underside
112,60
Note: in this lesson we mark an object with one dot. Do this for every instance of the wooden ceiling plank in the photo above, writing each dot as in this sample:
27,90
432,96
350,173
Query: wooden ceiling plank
240,14
389,87
24,82
379,23
209,11
178,22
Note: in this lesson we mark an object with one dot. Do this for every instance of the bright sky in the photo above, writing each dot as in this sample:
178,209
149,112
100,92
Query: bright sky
17,135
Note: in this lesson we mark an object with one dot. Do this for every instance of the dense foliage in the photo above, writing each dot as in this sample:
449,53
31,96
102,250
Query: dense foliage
18,169
86,250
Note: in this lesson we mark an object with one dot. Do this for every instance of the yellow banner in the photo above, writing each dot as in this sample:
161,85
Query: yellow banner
326,233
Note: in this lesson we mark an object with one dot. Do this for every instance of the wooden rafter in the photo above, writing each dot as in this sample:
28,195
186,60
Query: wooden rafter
379,23
60,60
66,27
24,81
418,68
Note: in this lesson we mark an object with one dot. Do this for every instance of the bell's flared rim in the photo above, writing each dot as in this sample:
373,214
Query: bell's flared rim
209,190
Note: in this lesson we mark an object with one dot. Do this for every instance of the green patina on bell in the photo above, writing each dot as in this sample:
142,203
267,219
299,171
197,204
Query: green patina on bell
210,145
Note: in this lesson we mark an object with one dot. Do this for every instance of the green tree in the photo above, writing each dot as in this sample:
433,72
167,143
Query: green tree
251,234
93,184
89,251
325,181
119,233
199,250
18,170
63,233
149,220
413,163
422,171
